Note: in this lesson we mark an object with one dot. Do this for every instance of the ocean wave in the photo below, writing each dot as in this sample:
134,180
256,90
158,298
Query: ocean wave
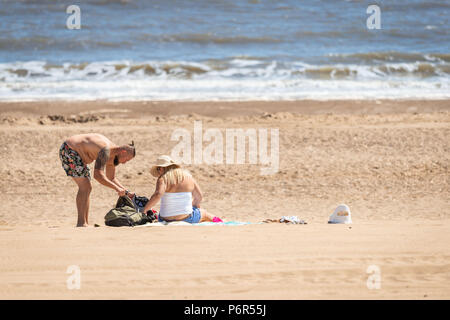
65,44
223,90
204,38
234,78
432,65
392,56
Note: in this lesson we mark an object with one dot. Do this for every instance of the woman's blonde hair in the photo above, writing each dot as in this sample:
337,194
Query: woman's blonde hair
174,175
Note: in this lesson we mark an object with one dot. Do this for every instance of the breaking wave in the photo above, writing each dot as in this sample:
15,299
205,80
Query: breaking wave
355,76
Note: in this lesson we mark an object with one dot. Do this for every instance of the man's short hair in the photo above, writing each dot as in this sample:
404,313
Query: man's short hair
130,148
133,147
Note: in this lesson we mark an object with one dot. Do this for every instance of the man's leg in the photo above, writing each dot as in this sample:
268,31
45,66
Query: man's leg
84,191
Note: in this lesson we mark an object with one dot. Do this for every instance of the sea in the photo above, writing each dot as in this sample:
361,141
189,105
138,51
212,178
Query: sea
224,50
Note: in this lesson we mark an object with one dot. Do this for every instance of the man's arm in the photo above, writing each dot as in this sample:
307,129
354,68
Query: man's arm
111,175
156,196
99,173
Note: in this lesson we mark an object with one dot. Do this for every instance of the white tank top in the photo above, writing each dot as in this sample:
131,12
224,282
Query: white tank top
175,203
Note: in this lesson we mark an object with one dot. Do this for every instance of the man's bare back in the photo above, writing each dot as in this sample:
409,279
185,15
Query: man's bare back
89,145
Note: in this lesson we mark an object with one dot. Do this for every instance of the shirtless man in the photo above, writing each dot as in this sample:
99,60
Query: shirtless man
78,151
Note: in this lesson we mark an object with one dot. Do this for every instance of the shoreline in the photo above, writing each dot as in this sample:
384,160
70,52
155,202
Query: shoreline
137,109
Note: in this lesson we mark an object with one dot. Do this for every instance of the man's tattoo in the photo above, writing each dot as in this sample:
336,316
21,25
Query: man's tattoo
102,158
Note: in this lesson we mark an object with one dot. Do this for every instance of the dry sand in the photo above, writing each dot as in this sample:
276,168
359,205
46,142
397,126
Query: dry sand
388,160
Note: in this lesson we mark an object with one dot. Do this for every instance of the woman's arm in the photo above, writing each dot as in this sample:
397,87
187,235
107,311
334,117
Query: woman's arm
156,196
197,195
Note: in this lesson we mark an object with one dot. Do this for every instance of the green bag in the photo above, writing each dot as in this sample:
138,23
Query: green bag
126,214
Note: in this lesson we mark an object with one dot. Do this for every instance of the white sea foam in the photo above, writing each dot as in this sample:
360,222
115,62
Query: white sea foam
236,79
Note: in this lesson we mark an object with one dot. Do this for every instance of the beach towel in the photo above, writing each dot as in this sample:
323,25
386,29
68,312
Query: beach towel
183,223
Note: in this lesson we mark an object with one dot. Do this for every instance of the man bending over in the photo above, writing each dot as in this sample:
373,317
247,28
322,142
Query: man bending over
78,151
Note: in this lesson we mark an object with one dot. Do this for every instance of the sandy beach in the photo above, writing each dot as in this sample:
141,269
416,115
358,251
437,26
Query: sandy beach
388,160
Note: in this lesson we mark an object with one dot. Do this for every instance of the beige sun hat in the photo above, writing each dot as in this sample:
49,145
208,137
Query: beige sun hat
162,161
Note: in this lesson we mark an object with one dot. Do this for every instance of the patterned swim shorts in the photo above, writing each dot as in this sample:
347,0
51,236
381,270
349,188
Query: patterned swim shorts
72,163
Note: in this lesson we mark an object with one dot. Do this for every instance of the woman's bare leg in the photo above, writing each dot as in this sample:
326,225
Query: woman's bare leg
206,216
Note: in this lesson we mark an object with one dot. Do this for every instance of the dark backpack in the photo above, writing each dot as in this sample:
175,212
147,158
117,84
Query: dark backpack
126,213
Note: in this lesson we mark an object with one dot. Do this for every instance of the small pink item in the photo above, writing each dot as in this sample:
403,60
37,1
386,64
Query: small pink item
217,219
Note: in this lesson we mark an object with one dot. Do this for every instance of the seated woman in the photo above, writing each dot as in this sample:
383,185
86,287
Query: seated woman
179,193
